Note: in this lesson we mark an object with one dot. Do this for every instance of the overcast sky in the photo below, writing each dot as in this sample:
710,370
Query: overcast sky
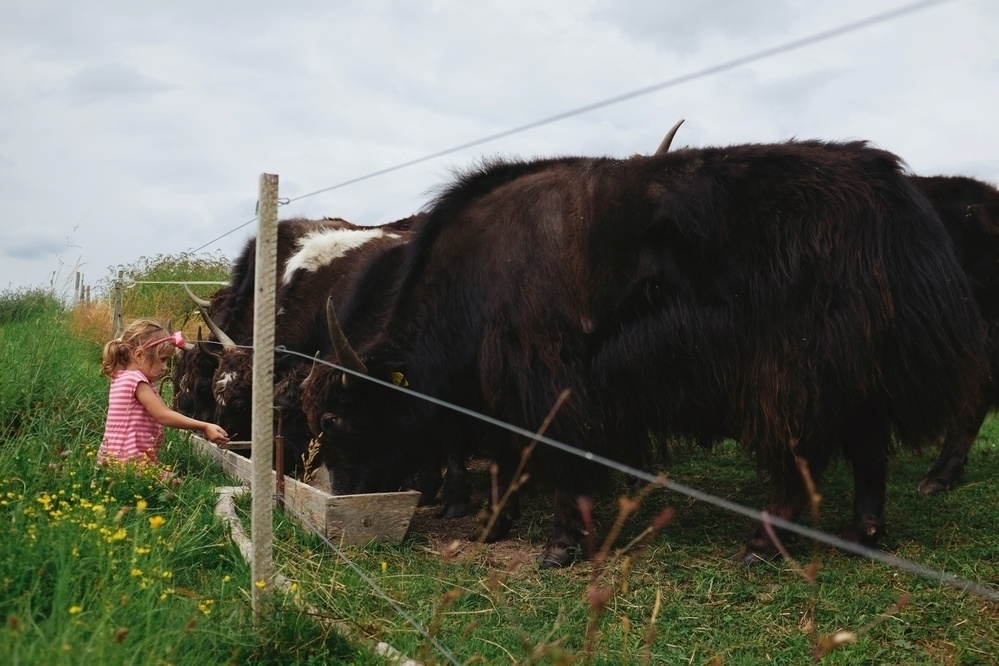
134,129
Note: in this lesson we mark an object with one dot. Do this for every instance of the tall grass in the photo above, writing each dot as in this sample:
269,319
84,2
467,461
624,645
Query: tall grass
149,292
110,565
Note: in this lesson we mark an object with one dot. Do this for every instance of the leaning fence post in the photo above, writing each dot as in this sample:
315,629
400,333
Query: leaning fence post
261,457
118,304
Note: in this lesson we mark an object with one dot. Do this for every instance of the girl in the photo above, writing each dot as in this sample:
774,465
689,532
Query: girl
136,412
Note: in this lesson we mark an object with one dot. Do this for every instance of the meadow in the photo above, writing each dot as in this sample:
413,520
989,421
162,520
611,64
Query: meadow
112,566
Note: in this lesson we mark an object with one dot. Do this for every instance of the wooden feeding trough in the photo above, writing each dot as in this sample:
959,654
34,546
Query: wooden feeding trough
348,519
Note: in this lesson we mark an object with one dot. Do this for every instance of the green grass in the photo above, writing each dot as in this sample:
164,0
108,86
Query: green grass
81,584
112,566
707,609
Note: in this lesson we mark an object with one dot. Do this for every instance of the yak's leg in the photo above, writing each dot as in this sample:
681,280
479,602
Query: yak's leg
508,511
799,467
788,500
456,495
947,471
428,481
566,540
867,444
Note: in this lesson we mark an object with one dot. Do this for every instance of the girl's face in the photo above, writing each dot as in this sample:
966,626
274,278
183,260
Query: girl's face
153,364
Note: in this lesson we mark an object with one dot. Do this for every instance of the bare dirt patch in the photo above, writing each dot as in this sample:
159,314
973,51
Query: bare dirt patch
449,538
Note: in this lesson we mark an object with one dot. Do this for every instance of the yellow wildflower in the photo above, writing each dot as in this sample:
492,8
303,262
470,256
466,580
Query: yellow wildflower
206,606
156,522
73,610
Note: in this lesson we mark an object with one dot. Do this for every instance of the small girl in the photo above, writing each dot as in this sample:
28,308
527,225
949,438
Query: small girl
136,412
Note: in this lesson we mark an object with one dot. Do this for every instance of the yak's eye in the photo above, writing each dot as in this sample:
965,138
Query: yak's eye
331,422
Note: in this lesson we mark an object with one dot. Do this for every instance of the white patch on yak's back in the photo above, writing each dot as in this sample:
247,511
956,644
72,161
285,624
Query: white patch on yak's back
321,247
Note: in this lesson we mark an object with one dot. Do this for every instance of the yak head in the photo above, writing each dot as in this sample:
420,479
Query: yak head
232,387
231,383
192,381
359,424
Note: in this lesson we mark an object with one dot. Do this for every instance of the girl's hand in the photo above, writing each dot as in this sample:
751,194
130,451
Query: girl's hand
215,434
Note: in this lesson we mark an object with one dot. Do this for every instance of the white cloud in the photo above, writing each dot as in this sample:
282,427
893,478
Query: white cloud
139,129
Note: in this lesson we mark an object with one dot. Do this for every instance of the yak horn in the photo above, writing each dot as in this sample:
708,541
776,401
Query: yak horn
344,352
197,301
205,347
668,139
223,338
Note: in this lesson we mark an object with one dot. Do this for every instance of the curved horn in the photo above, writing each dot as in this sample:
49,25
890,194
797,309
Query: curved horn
223,338
309,378
344,352
206,348
668,139
197,301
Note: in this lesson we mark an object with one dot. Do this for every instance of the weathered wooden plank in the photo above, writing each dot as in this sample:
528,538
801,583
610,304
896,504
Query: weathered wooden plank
236,445
346,519
372,517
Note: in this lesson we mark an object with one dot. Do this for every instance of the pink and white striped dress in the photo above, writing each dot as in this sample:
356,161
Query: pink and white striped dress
131,433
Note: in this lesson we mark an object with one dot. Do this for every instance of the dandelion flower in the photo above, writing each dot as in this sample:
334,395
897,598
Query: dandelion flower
141,505
73,610
156,522
261,584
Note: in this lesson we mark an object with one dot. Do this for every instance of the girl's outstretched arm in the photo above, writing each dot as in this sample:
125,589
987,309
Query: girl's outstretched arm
165,416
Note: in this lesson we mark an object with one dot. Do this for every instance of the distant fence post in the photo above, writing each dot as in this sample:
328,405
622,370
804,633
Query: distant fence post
262,483
76,289
118,304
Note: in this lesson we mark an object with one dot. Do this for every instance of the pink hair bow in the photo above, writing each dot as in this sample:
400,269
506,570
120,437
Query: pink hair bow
177,339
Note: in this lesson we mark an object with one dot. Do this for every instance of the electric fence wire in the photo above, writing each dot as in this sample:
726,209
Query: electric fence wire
921,570
787,47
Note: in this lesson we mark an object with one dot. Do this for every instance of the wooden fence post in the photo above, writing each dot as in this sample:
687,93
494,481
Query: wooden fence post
118,304
262,427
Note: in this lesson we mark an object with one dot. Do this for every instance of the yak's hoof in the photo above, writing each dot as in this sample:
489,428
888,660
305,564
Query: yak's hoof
932,486
867,532
750,557
426,500
501,528
759,548
555,557
455,510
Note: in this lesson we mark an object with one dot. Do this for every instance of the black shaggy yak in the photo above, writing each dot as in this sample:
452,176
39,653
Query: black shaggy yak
969,209
798,297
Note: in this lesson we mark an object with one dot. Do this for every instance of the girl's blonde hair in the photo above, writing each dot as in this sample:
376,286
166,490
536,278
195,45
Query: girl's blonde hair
120,351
